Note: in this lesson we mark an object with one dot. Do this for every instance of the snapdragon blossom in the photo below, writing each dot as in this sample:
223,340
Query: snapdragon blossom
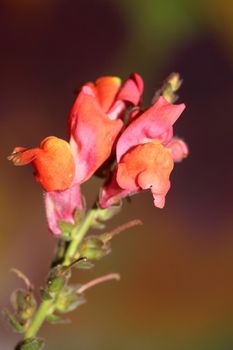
145,154
94,122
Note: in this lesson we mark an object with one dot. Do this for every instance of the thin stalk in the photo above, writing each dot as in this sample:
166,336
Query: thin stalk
98,280
38,319
82,230
46,305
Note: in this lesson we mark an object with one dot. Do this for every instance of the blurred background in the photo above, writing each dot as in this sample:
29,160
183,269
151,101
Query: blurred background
176,290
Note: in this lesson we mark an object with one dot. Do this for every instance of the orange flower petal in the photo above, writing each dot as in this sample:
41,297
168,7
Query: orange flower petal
22,156
107,89
146,166
92,134
53,162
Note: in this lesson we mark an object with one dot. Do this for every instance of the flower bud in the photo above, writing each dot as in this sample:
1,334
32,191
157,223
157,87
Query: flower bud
24,304
68,300
57,279
93,248
31,344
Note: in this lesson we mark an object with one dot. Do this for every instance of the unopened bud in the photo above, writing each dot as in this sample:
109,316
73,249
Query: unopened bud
31,344
174,81
94,248
57,279
170,86
24,304
68,300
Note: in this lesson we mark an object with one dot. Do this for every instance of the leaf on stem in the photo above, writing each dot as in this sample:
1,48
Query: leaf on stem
14,323
55,319
66,230
108,213
83,264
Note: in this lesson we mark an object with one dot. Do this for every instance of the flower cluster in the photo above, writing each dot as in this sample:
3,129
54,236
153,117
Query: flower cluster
107,126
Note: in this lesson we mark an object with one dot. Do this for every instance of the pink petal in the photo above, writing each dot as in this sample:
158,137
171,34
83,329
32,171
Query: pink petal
132,90
61,206
155,123
178,148
92,134
111,193
117,110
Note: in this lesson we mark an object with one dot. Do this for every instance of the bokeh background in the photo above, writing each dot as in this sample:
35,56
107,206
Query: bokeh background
176,290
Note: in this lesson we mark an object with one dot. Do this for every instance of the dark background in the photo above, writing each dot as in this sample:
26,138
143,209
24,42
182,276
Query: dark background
176,290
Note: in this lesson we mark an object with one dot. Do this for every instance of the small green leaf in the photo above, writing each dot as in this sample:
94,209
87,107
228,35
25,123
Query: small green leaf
98,225
12,320
55,319
31,344
106,214
65,226
84,264
66,230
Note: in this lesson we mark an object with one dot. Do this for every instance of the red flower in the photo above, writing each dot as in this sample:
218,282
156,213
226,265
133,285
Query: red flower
145,153
94,124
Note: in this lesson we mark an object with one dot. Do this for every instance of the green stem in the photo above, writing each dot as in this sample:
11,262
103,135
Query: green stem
39,318
82,230
46,305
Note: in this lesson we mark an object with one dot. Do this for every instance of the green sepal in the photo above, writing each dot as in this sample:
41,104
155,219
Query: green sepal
14,323
66,229
68,299
108,213
98,225
55,319
31,344
102,215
